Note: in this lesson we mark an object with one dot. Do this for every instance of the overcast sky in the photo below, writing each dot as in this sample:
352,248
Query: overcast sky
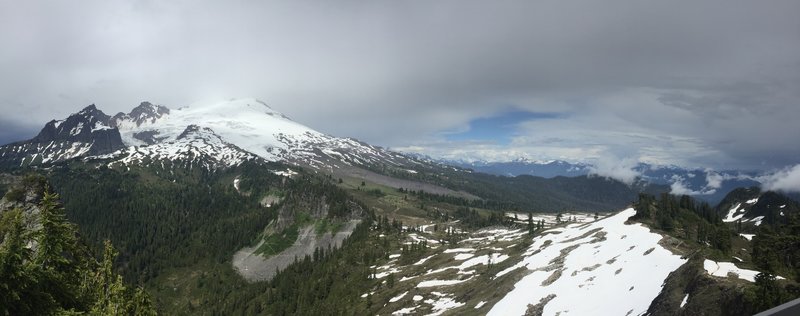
694,83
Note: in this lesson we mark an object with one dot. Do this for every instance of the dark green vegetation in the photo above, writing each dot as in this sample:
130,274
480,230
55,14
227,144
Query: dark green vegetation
60,275
177,229
683,217
776,251
702,234
275,243
157,223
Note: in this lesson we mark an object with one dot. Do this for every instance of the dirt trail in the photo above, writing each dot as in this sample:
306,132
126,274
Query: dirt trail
255,267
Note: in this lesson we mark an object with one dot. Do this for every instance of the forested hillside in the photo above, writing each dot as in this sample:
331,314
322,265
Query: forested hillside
46,267
705,239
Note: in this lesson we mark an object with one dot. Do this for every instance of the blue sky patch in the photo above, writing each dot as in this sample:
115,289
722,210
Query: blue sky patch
500,128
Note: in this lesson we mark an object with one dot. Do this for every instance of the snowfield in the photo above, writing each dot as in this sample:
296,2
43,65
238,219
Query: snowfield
601,268
253,127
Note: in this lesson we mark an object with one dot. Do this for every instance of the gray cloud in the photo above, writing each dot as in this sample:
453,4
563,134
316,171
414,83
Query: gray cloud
709,83
12,131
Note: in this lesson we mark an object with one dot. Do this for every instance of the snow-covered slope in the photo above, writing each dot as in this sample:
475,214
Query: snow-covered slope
601,268
587,267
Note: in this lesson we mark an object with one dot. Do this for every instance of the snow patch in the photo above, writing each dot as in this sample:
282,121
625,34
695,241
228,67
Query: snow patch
721,269
443,304
685,299
432,283
405,311
732,217
397,298
459,250
421,261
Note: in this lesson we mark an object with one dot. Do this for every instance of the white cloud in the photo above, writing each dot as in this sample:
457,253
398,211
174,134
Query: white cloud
679,187
617,169
787,179
713,180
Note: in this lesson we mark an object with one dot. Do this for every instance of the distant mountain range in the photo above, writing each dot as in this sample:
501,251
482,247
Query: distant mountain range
707,185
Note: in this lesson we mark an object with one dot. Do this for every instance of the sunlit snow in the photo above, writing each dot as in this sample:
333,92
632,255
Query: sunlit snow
619,275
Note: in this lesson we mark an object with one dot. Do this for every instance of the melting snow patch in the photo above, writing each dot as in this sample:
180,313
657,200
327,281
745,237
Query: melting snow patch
405,311
480,304
685,299
442,305
433,283
752,201
463,256
397,298
722,269
421,261
459,250
732,217
286,173
417,298
485,259
747,236
397,255
386,273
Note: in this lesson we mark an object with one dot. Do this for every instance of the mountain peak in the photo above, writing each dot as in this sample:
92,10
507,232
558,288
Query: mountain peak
145,112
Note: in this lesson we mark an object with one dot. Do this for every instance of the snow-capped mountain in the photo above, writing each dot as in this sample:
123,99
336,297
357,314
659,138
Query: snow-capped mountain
523,166
85,133
223,134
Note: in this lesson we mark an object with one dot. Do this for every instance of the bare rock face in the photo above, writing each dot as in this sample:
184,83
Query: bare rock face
24,194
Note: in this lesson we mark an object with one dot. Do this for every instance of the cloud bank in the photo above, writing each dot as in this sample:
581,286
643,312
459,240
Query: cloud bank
787,180
663,82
